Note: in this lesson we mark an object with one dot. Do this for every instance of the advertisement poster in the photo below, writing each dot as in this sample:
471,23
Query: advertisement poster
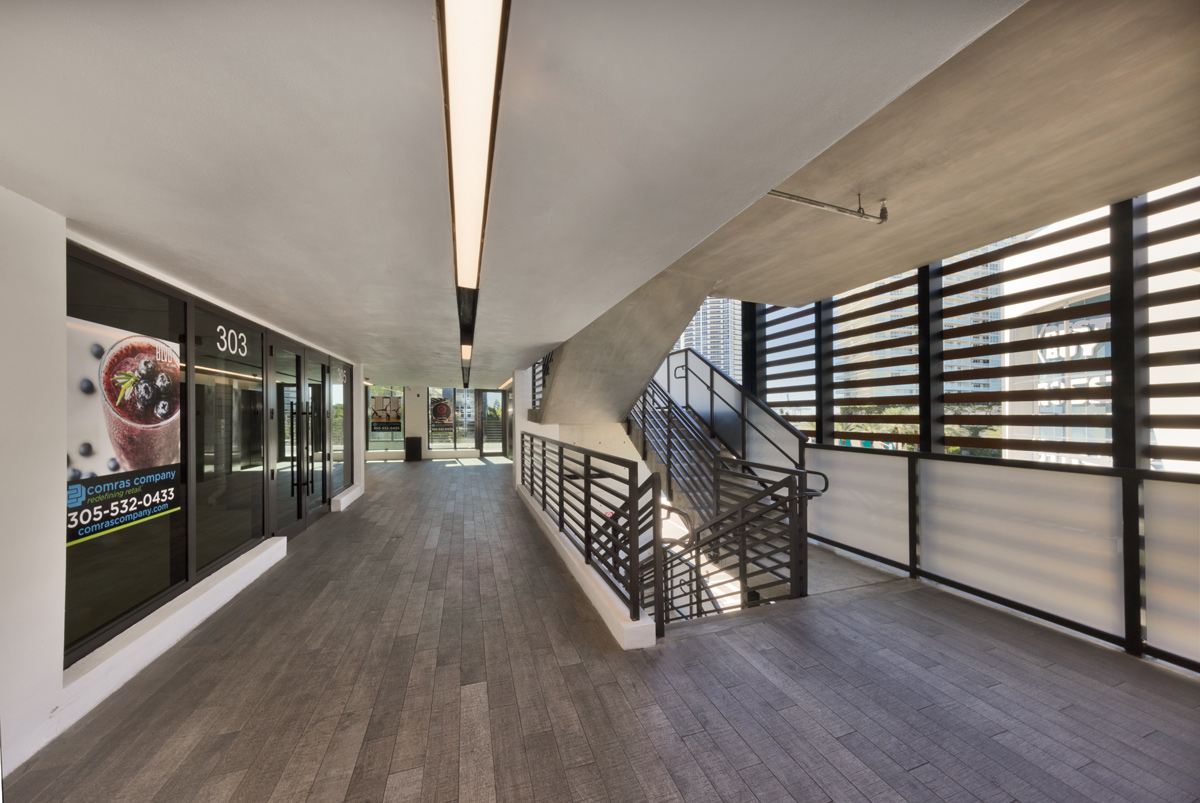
123,398
386,412
441,416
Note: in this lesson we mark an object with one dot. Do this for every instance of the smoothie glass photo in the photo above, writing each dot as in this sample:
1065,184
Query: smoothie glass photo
140,380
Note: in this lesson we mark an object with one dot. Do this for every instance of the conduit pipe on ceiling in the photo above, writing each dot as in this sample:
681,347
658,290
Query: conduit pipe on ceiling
859,213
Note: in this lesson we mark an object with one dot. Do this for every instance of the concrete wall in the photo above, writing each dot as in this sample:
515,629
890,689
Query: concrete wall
37,698
598,374
609,438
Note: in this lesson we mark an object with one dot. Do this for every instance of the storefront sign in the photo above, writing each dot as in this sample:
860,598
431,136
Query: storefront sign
105,504
386,413
123,403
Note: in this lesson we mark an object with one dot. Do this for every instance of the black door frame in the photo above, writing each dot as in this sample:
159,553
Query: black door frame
481,419
305,517
314,357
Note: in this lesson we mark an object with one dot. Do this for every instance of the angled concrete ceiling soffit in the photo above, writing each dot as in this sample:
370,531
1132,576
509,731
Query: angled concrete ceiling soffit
1059,109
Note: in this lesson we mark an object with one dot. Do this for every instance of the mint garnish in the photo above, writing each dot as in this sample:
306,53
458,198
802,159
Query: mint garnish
127,381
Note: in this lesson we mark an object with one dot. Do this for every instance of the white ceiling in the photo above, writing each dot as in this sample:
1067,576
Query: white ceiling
289,157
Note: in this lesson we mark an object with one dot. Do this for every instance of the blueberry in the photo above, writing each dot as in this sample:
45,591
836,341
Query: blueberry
86,386
143,394
113,465
162,382
162,409
91,475
146,369
85,449
74,474
97,350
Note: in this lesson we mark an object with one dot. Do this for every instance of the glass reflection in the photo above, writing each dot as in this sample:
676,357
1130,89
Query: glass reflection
314,400
287,434
229,437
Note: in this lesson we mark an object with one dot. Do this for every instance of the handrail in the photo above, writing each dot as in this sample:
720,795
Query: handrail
753,523
738,409
609,540
688,423
608,458
712,522
685,449
810,492
759,403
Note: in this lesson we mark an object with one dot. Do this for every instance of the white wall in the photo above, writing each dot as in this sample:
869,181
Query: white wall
37,699
33,560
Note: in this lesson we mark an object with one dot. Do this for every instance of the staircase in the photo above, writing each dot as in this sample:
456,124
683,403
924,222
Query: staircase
720,524
748,543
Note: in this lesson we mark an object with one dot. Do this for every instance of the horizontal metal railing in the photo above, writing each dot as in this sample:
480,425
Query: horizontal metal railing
593,497
690,578
686,451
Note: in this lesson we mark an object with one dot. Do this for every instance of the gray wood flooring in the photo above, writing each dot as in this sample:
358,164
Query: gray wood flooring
427,645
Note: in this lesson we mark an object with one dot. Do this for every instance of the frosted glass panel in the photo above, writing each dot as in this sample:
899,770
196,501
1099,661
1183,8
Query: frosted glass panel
1048,539
660,376
1173,567
676,386
867,503
769,442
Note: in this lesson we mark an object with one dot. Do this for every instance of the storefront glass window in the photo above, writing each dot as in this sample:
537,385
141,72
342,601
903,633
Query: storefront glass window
386,429
229,436
126,427
340,390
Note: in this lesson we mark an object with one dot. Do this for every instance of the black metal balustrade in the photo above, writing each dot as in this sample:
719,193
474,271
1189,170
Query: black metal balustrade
593,497
742,423
753,548
538,376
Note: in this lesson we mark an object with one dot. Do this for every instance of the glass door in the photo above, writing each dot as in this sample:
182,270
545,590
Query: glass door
491,415
287,430
298,447
316,448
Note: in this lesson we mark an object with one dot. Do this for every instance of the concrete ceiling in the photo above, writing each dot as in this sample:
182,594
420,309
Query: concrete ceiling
288,157
1065,106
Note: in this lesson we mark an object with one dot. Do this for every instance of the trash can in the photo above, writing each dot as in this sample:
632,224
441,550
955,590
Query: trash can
412,448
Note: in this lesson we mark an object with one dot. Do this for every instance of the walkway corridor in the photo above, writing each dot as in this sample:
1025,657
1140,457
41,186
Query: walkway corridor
427,645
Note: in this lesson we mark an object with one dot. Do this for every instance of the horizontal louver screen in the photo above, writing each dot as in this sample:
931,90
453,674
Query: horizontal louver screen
874,349
787,352
1173,325
1027,351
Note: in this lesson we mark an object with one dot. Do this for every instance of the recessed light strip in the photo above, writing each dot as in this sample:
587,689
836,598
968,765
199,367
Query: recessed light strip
473,41
472,36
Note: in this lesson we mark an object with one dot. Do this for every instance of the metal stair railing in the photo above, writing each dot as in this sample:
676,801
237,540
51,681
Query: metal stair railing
593,497
682,581
686,451
764,554
743,423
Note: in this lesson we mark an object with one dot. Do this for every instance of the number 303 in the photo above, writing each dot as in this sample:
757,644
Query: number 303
231,341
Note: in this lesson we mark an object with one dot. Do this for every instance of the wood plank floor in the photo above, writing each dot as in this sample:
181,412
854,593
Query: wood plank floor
427,645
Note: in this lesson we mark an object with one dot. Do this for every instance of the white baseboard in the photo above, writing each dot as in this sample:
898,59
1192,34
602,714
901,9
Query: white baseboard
346,498
613,611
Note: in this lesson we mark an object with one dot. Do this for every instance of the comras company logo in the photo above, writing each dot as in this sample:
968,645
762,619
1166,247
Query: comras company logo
75,495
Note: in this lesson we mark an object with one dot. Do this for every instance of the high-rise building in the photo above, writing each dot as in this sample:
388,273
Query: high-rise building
716,333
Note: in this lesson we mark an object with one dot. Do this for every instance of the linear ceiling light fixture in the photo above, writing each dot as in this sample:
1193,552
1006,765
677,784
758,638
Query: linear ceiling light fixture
841,210
471,36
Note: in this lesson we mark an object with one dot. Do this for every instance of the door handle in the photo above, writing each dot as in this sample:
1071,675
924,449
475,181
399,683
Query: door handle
292,444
